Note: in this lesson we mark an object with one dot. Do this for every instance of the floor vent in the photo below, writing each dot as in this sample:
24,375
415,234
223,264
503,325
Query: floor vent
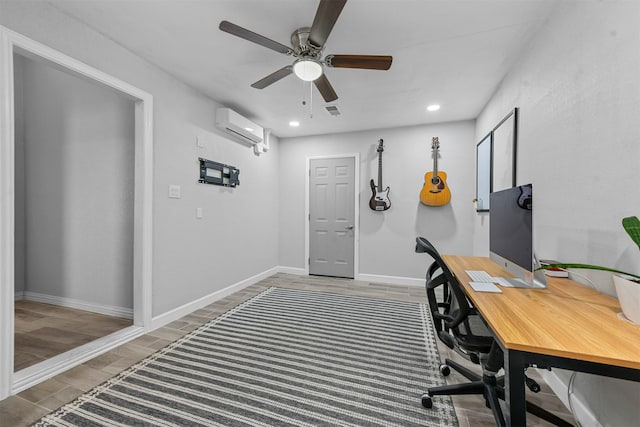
333,110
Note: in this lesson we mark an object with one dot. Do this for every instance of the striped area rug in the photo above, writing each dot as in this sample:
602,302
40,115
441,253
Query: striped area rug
285,357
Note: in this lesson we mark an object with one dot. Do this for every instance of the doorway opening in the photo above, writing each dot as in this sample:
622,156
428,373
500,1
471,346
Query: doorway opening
75,221
73,233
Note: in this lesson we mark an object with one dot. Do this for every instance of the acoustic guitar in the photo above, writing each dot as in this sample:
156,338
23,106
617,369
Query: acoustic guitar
380,199
435,191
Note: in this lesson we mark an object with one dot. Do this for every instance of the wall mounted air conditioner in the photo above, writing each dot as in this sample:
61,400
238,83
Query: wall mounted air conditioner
240,128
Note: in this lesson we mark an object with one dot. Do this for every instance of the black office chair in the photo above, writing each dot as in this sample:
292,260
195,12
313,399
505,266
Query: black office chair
460,327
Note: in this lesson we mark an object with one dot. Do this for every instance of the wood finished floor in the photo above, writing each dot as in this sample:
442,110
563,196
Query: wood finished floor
28,406
45,330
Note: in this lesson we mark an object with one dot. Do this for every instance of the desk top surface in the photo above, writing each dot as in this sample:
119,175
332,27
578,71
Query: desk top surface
566,319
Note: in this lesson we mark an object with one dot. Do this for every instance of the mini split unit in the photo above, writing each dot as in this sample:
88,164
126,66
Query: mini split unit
241,128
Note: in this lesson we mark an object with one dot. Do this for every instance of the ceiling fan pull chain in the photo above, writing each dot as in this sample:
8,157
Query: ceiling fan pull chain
310,100
304,95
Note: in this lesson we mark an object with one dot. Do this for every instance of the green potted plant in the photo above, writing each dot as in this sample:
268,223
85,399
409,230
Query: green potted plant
627,284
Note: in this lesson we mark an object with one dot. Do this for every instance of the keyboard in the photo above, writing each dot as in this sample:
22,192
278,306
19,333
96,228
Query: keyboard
505,282
483,276
479,276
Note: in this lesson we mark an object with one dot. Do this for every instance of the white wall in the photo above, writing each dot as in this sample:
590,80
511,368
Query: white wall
78,188
578,90
387,239
237,237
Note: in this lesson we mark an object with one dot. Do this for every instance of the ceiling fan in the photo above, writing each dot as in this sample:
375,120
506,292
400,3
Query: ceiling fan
307,45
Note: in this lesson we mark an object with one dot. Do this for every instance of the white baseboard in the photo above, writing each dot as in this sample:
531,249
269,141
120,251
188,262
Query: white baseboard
108,310
582,413
18,295
31,376
292,270
192,306
55,365
49,368
185,309
377,278
391,280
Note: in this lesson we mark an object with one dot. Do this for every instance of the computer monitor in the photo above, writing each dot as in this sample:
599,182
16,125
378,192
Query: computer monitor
511,235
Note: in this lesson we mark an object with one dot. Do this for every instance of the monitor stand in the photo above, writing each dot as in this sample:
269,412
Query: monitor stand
519,283
535,279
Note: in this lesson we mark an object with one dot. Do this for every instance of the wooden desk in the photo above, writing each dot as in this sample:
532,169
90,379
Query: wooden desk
567,325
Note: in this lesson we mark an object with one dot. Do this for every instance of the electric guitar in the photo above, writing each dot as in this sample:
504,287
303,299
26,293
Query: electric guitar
524,200
380,199
435,191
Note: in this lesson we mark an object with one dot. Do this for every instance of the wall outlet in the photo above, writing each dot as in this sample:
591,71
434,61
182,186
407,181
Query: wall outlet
174,191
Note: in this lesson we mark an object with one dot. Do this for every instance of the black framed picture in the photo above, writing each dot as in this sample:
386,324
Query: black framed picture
504,147
483,172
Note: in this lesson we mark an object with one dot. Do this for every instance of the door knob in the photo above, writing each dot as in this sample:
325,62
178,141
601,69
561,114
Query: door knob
349,227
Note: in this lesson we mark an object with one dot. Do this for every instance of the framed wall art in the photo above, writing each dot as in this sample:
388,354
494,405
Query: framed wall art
483,173
504,150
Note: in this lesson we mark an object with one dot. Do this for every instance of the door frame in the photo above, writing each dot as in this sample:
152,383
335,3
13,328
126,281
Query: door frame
12,42
356,209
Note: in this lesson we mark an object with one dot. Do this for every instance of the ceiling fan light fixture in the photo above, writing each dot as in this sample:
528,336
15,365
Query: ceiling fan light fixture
307,69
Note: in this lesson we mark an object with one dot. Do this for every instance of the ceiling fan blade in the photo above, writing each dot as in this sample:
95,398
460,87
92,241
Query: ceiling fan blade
325,88
273,77
368,62
243,33
326,17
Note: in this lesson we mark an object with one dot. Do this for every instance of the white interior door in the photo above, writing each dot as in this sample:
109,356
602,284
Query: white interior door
332,216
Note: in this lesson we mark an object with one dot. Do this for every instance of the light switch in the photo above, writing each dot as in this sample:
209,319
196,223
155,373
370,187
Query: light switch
199,213
199,142
174,191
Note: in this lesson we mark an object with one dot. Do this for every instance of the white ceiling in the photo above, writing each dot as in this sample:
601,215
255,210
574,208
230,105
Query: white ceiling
450,52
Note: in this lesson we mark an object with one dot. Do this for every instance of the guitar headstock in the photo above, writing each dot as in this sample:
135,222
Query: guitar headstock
435,144
380,148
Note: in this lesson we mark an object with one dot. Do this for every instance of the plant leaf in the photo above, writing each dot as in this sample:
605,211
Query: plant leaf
632,227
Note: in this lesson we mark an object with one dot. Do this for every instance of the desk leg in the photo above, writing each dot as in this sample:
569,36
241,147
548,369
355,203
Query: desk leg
514,365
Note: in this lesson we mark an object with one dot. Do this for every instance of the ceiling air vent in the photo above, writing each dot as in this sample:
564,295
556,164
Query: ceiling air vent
333,110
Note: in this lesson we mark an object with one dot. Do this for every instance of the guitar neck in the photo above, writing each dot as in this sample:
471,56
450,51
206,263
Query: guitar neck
380,171
435,144
435,162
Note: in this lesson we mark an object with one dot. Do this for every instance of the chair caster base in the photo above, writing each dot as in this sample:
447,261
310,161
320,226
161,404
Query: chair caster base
445,370
426,401
532,384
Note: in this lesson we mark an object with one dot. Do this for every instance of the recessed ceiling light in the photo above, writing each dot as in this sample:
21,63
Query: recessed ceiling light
433,107
294,123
